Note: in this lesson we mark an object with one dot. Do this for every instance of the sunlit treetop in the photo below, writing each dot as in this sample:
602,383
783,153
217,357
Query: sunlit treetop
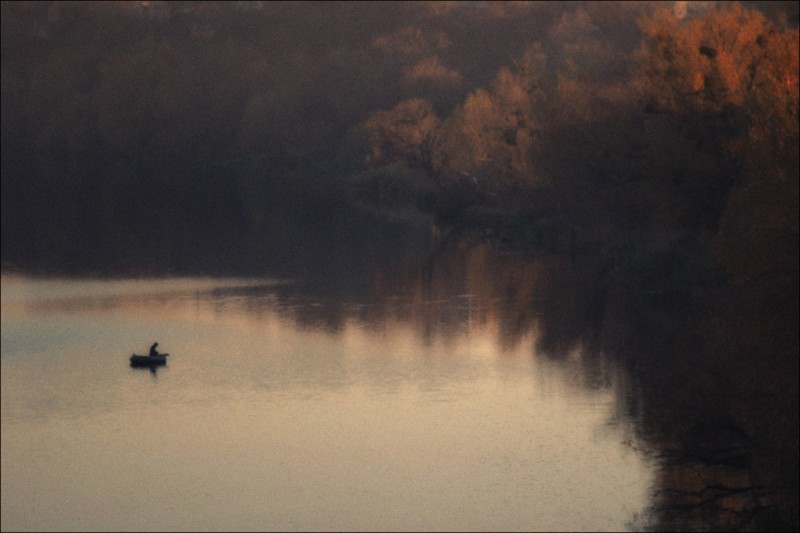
725,57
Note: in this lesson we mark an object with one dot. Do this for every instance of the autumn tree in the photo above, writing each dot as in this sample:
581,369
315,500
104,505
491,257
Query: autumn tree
406,133
732,76
759,235
490,138
735,74
709,62
733,65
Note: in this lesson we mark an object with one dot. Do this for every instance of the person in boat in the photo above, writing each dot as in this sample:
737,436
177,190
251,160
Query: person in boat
153,351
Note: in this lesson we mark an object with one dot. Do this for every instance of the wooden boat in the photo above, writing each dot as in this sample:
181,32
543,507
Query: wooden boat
149,360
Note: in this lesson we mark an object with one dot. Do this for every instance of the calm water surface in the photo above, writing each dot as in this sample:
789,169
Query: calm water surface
418,406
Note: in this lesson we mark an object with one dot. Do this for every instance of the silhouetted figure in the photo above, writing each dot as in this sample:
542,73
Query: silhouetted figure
153,351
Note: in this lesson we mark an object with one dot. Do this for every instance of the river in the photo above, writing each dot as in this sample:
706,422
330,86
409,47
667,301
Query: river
458,394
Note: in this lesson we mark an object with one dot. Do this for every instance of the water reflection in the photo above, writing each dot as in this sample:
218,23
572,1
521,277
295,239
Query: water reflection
540,398
153,368
716,394
717,407
287,407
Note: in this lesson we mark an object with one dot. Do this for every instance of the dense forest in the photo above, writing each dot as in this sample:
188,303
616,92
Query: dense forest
655,142
142,133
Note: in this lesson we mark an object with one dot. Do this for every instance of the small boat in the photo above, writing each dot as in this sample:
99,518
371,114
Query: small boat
149,360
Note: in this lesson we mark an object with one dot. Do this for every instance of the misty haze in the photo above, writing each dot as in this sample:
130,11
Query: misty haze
443,266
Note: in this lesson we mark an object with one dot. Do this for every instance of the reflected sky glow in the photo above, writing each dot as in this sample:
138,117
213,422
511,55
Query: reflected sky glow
263,420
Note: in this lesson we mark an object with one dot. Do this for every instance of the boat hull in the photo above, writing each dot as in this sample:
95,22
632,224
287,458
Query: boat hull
148,360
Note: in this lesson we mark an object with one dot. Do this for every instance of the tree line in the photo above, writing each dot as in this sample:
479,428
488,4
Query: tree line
160,132
143,130
681,161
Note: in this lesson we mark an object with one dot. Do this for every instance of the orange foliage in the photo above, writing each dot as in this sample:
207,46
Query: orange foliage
490,139
404,133
726,57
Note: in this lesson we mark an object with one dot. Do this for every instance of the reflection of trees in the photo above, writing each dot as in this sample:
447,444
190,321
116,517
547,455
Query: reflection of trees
717,406
464,285
713,399
511,295
720,408
727,443
740,374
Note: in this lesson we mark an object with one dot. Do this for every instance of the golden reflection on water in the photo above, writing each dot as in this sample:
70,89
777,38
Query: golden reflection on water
424,406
